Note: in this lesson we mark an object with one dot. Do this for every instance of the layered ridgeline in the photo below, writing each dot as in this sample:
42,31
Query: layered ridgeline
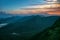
24,27
52,33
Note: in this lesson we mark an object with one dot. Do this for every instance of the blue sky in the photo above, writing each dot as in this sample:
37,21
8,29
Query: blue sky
17,4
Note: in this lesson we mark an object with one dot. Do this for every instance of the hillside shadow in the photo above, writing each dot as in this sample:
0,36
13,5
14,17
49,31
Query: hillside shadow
52,33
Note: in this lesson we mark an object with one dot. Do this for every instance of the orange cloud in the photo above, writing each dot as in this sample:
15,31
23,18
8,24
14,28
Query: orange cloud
54,12
50,9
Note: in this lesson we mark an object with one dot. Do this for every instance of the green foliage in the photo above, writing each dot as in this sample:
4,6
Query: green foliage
52,33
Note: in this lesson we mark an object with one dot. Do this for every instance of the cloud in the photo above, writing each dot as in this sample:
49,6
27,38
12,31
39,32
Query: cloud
36,8
49,8
52,1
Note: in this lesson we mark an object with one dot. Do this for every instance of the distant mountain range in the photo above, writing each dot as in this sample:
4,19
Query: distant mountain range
4,15
25,26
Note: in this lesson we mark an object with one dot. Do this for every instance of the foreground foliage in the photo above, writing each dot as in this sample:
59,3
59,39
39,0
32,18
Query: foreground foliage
52,33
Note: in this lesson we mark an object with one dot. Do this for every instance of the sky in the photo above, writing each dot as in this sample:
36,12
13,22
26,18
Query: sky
17,4
26,6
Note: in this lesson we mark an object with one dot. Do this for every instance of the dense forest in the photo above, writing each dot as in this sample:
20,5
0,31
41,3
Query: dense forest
50,33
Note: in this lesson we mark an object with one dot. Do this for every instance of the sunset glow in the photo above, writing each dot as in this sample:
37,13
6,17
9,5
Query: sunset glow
33,7
50,9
